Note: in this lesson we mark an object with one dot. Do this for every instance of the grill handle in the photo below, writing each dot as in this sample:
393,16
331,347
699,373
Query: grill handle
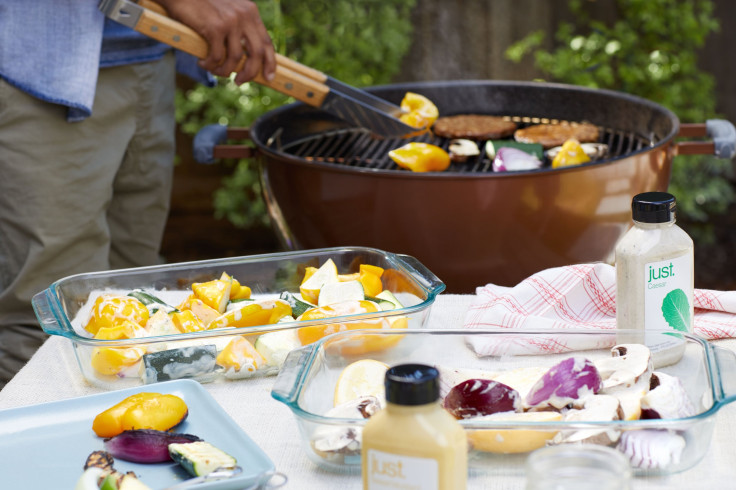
208,144
721,132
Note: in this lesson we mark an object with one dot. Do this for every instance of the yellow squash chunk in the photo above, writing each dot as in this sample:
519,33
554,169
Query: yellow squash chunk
110,309
161,412
511,441
121,330
359,344
109,422
113,360
308,335
205,314
372,284
237,290
187,303
186,321
311,286
240,353
265,312
215,294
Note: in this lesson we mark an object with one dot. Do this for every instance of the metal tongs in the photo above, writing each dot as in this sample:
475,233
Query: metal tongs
292,78
224,473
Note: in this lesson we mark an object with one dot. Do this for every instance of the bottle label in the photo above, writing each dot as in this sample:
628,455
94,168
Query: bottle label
668,300
387,471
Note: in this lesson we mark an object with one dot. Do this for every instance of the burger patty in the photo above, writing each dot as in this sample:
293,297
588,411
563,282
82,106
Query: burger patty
473,127
551,135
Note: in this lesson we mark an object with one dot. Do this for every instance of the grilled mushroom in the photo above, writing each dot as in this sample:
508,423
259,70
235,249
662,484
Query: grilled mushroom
462,149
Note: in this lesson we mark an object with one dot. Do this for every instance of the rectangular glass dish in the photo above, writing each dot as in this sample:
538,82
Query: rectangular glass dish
65,309
654,446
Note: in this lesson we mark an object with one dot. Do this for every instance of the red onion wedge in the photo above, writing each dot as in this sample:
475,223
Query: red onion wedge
565,382
145,445
510,159
477,397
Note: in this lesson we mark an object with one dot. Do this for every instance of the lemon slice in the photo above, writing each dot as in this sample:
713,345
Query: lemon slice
312,285
361,378
512,441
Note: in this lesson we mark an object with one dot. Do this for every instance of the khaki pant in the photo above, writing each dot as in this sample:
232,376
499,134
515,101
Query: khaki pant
80,197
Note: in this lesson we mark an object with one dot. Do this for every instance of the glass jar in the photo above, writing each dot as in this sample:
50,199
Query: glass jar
577,467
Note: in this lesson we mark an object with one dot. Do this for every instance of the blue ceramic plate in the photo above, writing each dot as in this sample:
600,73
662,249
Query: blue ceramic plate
45,446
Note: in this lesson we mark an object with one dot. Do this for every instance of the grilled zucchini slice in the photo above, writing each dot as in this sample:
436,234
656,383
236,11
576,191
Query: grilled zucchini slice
200,458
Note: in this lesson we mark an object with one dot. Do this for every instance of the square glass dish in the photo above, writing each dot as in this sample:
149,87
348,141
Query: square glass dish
700,379
164,348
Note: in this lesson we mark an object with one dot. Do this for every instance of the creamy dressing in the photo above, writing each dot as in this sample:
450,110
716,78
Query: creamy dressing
652,261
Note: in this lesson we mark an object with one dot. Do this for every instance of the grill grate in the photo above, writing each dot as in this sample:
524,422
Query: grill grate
359,149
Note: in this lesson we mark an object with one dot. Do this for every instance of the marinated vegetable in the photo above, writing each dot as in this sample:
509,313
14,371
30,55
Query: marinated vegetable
478,397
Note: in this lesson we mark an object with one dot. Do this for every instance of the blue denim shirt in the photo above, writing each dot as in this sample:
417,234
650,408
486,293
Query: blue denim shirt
51,49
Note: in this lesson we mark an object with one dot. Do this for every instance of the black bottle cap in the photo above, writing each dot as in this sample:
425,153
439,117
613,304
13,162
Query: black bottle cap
412,384
653,207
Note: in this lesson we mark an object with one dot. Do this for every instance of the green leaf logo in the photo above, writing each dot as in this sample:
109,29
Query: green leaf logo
676,310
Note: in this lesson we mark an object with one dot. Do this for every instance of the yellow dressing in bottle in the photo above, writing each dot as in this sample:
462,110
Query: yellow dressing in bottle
413,442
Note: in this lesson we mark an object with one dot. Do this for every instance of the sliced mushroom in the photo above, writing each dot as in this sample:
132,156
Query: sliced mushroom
336,442
650,449
597,408
461,150
667,399
629,364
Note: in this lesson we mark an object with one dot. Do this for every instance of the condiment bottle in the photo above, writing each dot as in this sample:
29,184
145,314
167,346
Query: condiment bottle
655,278
413,442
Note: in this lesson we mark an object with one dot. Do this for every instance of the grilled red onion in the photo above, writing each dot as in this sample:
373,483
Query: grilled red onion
510,159
145,445
564,383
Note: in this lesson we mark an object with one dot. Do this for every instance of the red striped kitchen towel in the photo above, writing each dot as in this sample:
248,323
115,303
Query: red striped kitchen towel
575,297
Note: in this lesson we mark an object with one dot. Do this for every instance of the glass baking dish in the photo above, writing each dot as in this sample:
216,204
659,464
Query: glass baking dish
62,309
707,373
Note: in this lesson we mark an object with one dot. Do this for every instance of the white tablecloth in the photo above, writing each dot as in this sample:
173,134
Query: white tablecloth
53,374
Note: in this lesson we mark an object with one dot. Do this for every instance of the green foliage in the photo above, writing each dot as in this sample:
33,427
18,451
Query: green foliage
360,42
650,50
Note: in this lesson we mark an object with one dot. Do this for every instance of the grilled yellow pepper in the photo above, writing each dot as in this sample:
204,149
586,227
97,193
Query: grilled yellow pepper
421,157
141,411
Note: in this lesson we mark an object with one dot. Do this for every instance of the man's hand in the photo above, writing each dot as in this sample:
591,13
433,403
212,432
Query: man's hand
231,27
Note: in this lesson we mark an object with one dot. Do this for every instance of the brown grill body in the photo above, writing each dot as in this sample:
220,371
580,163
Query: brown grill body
330,185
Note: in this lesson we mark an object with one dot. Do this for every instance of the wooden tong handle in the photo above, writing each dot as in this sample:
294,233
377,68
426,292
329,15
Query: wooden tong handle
292,78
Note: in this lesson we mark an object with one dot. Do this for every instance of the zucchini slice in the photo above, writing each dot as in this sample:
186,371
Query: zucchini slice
200,458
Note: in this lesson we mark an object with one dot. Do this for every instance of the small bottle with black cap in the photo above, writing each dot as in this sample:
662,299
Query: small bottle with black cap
413,442
655,279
